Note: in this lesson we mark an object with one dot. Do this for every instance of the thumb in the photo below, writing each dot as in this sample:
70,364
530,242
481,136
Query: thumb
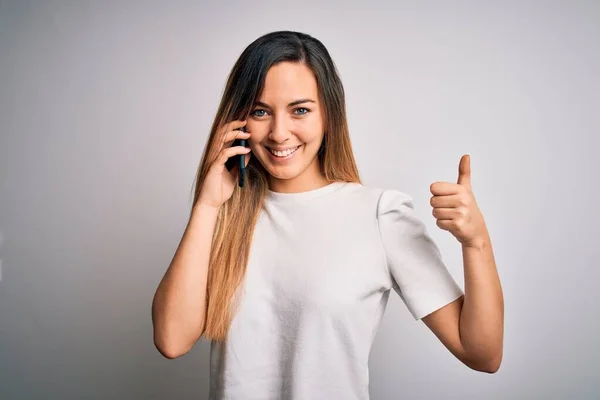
464,171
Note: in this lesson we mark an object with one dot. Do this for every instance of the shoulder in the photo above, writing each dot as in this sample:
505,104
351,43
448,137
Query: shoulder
383,200
394,201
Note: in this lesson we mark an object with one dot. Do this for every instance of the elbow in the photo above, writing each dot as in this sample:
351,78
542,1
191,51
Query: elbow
490,368
171,339
169,348
172,345
494,364
490,364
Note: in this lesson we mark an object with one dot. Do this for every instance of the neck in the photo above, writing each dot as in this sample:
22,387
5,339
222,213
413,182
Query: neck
299,184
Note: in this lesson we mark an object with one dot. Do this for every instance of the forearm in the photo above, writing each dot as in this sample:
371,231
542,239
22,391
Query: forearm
482,315
178,309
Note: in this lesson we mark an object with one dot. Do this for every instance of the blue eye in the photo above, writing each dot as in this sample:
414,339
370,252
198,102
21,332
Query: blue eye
255,111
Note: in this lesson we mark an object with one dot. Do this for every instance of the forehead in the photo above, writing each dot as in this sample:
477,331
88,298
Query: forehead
289,81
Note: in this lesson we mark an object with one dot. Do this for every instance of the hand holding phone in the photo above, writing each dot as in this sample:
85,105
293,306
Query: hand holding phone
220,181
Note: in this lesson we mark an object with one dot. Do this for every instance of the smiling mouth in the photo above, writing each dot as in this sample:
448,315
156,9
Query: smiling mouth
285,153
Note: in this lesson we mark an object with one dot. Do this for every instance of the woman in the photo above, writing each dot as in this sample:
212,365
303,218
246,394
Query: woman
289,275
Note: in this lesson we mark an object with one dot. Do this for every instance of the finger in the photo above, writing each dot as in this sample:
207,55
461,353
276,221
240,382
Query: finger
234,171
464,171
229,152
236,167
453,200
444,188
235,134
445,224
232,125
445,213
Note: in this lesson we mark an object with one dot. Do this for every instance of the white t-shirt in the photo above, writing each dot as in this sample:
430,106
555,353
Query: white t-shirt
321,267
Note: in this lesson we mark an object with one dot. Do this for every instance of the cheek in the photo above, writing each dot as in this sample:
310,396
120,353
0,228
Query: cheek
255,139
255,147
257,134
315,130
310,132
314,138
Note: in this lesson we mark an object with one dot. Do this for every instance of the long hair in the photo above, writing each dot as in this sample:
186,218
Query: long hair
238,216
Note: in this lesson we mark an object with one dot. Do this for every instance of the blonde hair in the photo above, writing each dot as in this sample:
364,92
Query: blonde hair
238,216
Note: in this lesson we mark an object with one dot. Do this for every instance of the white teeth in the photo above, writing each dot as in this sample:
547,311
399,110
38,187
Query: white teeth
284,153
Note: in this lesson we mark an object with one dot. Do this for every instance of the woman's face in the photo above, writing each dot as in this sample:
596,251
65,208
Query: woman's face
286,128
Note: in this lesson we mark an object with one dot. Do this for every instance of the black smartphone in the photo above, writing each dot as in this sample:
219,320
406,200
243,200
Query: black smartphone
239,160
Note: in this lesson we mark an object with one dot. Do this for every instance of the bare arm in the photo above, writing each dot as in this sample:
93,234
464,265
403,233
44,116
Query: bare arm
179,305
472,327
482,316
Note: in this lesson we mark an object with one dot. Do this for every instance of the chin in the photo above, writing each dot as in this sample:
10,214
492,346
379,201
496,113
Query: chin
285,172
284,175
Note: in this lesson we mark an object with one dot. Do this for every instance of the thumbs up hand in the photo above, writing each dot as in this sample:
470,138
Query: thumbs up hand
455,209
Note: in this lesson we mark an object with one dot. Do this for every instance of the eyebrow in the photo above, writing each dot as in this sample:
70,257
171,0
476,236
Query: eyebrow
293,103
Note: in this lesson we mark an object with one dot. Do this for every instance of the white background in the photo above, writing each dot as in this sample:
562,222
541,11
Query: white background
105,107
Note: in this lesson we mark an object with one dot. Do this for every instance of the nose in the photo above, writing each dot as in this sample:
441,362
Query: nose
279,132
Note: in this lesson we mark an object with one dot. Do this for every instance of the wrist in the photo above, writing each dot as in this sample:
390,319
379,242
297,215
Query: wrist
477,243
201,208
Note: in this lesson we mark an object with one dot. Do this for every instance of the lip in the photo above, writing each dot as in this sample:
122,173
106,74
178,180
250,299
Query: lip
276,159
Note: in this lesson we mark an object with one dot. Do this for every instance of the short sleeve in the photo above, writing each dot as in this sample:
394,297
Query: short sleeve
419,275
